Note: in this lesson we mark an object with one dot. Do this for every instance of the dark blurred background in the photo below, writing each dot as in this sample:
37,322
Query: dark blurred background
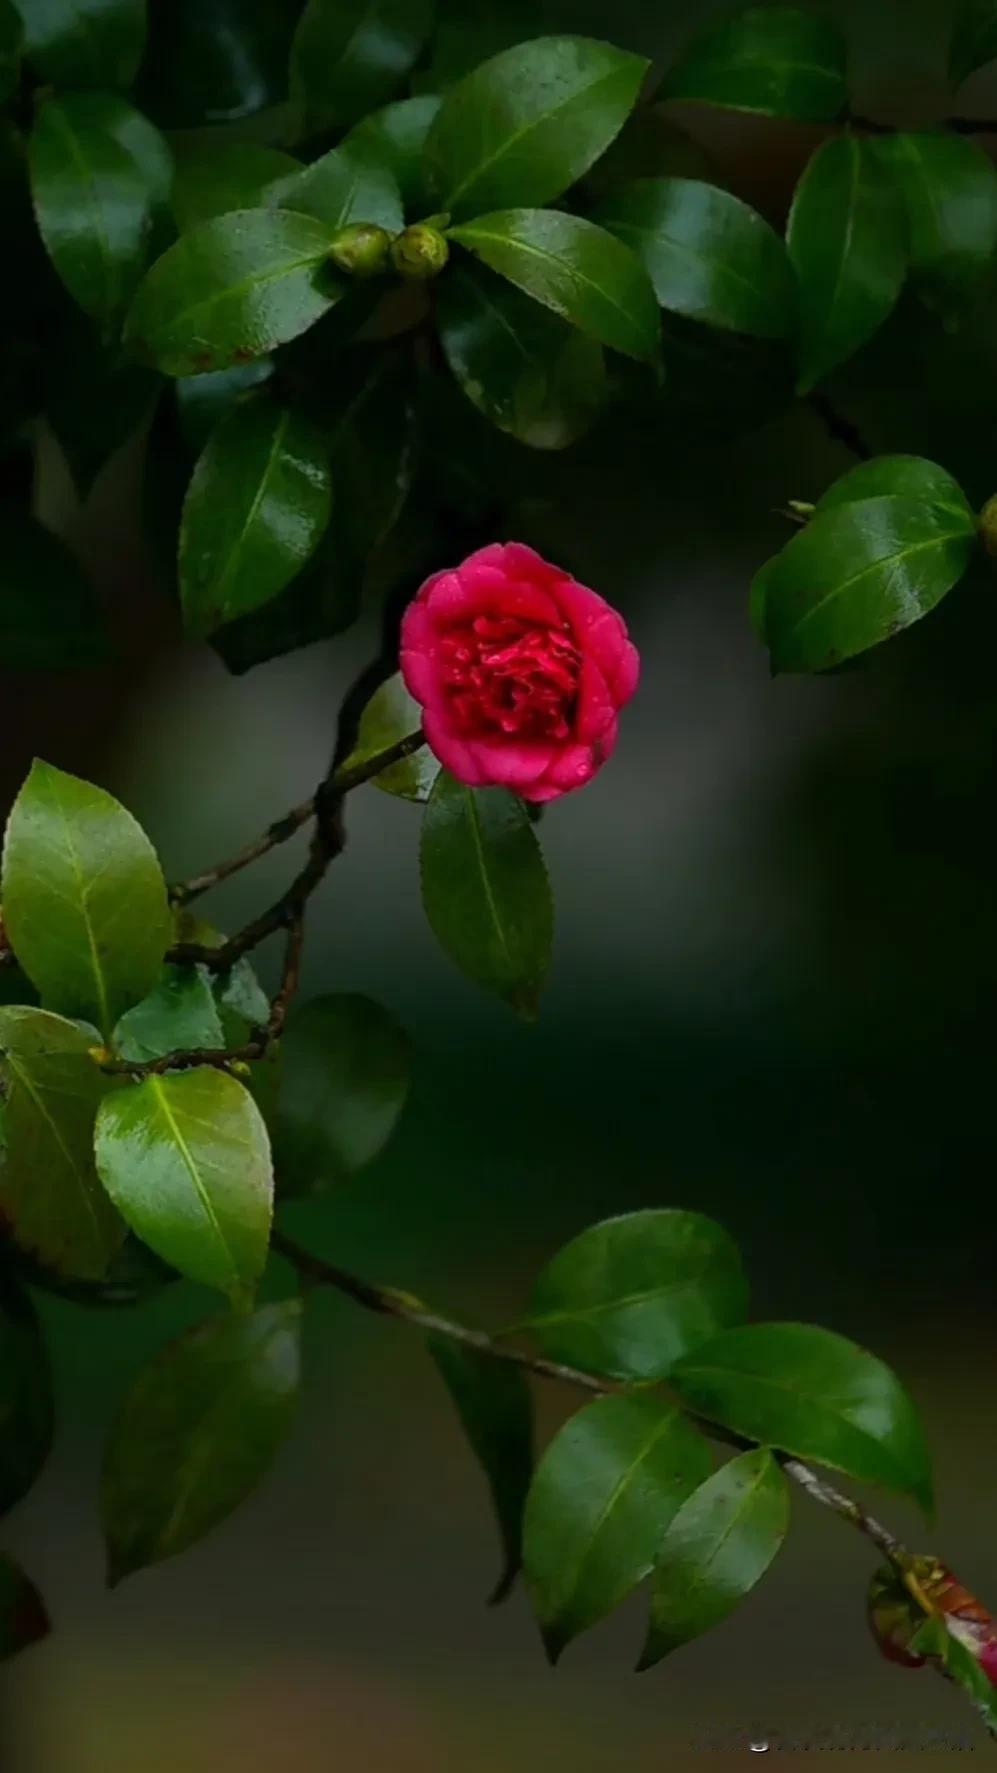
772,1001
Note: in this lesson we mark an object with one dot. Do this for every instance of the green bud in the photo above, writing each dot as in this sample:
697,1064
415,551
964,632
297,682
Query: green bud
361,250
419,252
988,526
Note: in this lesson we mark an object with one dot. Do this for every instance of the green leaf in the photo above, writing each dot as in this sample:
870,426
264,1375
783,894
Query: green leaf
25,1396
577,269
495,1408
485,889
856,575
708,255
774,60
974,38
23,1618
716,1548
84,42
203,401
213,178
233,289
50,619
604,1493
343,186
527,124
350,55
346,1077
529,372
814,1394
84,898
255,512
197,1433
395,138
186,1158
949,188
11,36
49,1188
391,715
630,1296
179,1014
147,147
909,477
847,241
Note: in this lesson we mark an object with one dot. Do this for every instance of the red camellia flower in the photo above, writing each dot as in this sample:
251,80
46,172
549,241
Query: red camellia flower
520,671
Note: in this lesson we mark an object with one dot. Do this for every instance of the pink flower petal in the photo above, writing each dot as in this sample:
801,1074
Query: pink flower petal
511,763
598,628
596,709
453,753
627,676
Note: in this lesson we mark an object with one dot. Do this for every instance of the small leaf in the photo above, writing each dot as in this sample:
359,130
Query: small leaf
23,1617
197,1433
577,269
215,177
632,1295
255,512
812,1393
395,138
345,1081
50,619
186,1159
233,289
974,38
180,1013
493,1402
529,372
708,254
949,187
25,1396
89,43
716,1548
604,1493
524,126
485,889
49,1189
350,55
391,715
774,60
84,898
847,241
343,186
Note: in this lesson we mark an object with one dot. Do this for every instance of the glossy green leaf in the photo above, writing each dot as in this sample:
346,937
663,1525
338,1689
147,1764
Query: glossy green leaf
584,274
144,143
25,1396
83,896
197,1433
527,124
485,889
949,186
708,254
240,1000
49,1190
813,1393
233,289
909,477
715,1550
847,240
50,619
974,38
203,401
350,55
255,512
23,1617
856,575
630,1296
493,1402
186,1158
216,61
603,1495
529,372
343,186
11,35
213,178
179,1014
390,715
775,60
87,43
345,1080
395,138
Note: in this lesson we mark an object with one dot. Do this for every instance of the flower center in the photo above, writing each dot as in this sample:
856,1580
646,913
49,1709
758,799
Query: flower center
506,677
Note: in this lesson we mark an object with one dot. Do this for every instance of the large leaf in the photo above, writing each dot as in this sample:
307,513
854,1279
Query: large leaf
346,185
485,889
632,1295
186,1159
395,138
25,1396
255,512
346,1077
708,254
350,55
232,289
493,1402
215,177
50,619
603,1495
909,477
950,191
391,715
848,244
524,126
197,1433
716,1548
577,269
84,898
49,1190
856,575
23,1617
812,1393
775,60
89,43
974,38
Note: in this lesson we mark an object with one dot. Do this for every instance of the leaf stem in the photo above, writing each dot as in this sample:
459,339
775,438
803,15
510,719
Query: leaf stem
839,428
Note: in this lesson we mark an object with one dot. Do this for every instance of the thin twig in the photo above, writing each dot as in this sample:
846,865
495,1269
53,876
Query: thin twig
839,428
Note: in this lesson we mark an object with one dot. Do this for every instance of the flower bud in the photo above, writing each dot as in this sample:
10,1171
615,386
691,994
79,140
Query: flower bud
419,251
988,526
361,250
